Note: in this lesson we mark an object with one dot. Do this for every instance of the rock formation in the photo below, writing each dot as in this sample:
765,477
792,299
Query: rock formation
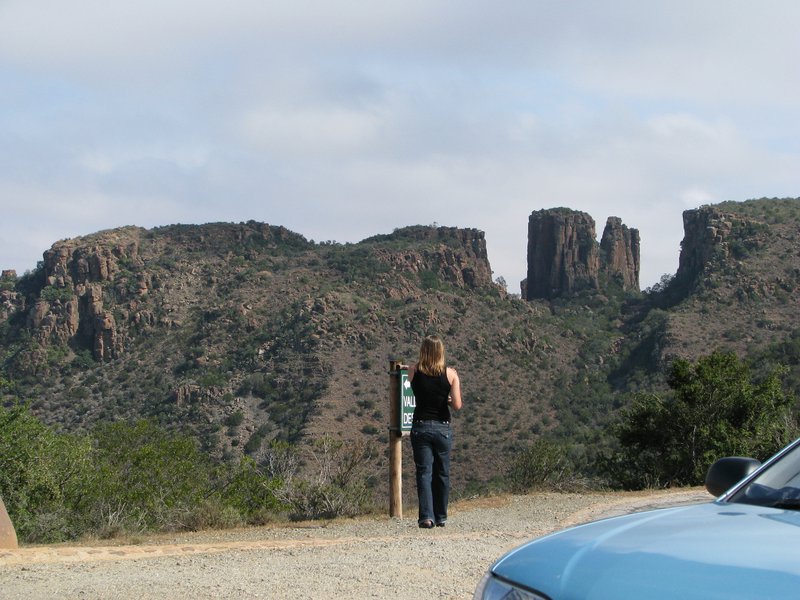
8,303
70,309
705,233
619,253
564,256
713,239
99,291
456,256
562,253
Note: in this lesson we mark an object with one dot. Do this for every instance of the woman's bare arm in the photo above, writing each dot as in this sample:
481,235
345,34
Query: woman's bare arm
455,388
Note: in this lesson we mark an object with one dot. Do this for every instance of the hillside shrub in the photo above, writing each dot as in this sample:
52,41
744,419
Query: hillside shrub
251,492
429,280
340,483
52,294
543,464
257,384
234,419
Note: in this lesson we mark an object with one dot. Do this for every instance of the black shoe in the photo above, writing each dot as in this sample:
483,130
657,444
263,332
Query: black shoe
440,524
426,524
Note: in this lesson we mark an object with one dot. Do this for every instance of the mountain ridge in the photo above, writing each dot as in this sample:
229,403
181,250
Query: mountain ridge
243,333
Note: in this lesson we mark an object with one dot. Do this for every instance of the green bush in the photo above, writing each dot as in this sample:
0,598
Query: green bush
52,293
130,478
145,476
716,409
234,419
541,465
251,492
84,360
40,475
212,379
212,513
253,445
429,280
258,384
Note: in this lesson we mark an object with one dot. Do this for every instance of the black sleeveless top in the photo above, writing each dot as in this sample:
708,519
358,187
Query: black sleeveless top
431,393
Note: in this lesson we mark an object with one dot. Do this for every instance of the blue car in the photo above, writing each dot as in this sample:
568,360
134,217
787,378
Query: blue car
744,545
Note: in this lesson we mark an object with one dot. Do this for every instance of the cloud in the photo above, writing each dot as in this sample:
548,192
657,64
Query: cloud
341,119
309,131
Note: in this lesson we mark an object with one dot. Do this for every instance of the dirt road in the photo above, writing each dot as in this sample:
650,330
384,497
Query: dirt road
359,558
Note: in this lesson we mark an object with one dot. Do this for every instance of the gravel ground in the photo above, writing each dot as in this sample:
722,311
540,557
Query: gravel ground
359,558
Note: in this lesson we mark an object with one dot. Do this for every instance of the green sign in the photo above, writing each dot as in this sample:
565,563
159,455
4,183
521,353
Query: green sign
407,401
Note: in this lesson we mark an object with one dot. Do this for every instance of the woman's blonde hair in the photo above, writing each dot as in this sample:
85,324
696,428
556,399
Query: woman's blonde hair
431,356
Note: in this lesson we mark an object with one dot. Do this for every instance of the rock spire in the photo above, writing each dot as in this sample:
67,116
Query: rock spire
564,256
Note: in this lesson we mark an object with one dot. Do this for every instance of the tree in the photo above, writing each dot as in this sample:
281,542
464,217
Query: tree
123,478
716,409
145,478
40,475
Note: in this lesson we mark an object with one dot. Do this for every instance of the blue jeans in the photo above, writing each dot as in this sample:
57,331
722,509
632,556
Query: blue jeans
431,442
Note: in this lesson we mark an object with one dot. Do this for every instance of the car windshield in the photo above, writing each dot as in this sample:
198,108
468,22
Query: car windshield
777,486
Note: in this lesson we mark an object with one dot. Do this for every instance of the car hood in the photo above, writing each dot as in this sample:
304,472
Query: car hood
706,551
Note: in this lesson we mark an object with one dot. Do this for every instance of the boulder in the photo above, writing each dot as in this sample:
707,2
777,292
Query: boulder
8,537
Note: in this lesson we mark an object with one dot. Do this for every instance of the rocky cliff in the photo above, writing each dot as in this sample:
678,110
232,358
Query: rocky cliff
454,255
619,253
71,308
93,293
712,239
564,256
562,253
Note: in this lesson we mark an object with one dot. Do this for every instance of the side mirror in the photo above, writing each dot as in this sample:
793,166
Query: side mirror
727,472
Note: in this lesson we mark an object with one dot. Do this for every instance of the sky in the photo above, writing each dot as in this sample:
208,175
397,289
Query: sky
344,119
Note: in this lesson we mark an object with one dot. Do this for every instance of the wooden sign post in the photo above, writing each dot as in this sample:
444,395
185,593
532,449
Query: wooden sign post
395,442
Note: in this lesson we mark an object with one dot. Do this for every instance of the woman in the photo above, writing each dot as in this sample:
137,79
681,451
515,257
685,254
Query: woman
436,390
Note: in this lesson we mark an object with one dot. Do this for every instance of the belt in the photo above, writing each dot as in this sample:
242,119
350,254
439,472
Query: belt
432,421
